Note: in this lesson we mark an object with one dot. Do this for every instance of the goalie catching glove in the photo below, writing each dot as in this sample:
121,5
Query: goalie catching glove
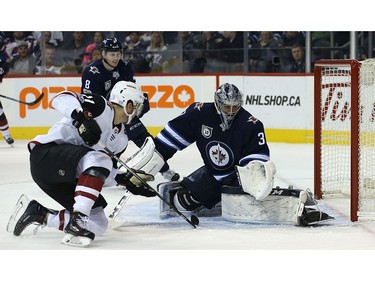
134,185
257,178
87,127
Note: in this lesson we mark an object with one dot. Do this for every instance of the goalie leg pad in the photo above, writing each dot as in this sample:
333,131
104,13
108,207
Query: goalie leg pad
167,190
282,206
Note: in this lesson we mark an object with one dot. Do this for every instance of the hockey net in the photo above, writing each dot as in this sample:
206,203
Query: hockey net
344,133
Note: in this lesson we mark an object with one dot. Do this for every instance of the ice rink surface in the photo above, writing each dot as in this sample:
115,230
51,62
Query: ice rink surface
151,245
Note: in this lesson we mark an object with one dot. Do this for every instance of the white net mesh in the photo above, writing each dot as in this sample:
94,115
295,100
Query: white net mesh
336,130
366,187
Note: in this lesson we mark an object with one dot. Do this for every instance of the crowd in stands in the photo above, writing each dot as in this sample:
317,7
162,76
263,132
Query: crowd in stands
54,52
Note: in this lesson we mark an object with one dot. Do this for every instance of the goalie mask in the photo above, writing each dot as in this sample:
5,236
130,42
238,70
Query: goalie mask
228,101
124,92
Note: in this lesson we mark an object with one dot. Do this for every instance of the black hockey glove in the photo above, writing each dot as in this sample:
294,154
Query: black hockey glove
145,107
134,185
87,127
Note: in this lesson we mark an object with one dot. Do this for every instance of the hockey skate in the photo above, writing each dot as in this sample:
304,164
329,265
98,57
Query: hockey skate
310,215
36,214
9,140
76,232
171,175
20,207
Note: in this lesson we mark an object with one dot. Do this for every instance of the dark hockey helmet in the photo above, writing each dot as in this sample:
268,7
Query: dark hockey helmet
228,101
2,37
111,45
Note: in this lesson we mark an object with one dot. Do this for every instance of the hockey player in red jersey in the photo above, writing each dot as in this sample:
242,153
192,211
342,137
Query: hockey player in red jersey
69,165
4,68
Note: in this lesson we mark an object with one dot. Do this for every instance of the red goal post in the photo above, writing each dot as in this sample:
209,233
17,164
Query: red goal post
344,133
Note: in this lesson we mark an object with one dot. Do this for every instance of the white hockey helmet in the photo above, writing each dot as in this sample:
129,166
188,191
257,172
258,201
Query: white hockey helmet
124,92
228,101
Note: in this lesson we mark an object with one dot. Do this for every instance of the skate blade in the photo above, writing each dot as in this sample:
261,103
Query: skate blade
21,204
76,241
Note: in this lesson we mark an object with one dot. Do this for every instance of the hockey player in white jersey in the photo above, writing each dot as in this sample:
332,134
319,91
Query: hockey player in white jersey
238,174
69,165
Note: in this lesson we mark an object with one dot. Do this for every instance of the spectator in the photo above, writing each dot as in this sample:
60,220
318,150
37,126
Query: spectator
145,37
43,38
320,46
135,53
213,55
13,42
193,45
98,39
157,50
263,56
233,51
51,65
24,62
54,37
170,38
298,64
288,39
72,52
96,54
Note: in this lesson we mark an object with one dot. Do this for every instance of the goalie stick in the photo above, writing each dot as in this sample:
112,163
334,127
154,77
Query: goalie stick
194,221
25,102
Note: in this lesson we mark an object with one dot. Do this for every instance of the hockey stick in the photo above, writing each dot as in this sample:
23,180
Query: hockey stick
25,102
113,223
194,221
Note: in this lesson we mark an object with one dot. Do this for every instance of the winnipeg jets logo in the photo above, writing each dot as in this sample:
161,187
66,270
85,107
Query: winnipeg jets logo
220,155
206,131
94,70
116,75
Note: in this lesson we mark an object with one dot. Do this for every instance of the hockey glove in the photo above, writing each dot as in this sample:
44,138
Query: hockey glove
134,185
143,108
87,127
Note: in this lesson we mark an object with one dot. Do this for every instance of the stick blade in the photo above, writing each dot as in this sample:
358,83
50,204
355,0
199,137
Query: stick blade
37,100
194,220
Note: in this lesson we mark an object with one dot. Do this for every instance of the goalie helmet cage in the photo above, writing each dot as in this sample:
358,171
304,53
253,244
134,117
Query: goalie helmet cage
344,133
